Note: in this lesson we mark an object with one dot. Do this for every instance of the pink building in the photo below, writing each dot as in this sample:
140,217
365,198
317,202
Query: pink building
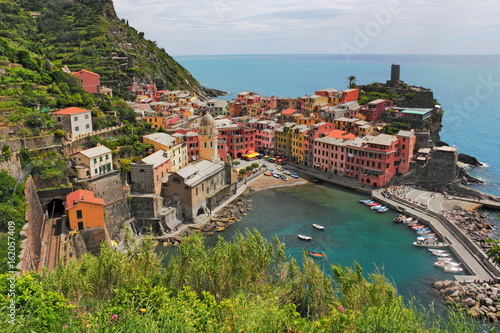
239,138
376,109
90,81
330,151
193,146
264,135
147,175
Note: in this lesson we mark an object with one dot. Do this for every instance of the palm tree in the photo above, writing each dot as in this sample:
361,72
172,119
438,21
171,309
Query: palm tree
352,81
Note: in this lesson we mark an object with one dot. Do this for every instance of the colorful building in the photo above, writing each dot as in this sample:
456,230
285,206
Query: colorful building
173,145
146,176
93,162
74,121
84,210
376,109
90,81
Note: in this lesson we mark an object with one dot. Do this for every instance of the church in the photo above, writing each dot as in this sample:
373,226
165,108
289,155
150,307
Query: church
200,186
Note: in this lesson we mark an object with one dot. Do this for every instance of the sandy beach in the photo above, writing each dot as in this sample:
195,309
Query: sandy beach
267,182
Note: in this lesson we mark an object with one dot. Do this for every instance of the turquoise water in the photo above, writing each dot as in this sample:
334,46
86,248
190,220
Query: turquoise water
352,233
467,87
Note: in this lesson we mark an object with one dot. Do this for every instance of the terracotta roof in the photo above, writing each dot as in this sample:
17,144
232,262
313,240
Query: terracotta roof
289,111
83,71
341,135
71,110
77,196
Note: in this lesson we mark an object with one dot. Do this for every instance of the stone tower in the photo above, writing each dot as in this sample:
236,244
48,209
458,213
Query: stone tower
208,138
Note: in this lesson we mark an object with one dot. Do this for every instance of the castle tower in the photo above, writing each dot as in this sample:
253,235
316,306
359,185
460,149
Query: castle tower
208,138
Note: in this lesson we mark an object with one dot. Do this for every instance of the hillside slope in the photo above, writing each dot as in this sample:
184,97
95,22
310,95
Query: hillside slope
88,34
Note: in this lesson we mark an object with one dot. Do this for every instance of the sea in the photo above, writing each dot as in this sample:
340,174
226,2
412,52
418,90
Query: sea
466,87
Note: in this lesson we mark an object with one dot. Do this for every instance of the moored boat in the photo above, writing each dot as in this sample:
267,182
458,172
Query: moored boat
437,251
294,175
276,175
315,254
372,204
283,177
446,264
375,207
303,237
382,210
365,201
318,226
267,174
451,269
430,244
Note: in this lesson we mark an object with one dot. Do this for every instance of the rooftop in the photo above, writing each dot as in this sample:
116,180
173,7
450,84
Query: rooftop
77,196
70,111
161,138
416,111
95,151
196,172
156,159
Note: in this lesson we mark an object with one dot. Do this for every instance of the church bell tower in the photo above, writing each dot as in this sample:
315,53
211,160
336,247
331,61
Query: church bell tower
208,138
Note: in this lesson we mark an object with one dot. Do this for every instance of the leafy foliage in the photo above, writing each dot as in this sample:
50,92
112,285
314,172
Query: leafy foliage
246,285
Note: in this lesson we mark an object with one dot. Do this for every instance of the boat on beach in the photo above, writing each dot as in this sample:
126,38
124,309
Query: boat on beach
267,174
276,175
303,237
318,226
294,175
283,177
315,254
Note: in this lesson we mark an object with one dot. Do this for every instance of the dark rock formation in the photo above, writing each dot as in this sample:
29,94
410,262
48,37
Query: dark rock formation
470,160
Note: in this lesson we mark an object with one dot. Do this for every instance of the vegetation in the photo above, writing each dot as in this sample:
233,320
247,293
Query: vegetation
12,205
247,285
351,81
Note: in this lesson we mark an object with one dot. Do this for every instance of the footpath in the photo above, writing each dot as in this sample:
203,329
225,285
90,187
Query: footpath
468,253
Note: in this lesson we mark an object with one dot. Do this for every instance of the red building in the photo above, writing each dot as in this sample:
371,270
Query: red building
376,109
90,81
193,145
238,138
350,95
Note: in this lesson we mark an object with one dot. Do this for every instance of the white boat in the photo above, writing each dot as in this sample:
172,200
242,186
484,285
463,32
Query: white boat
376,207
446,264
365,201
430,244
423,238
307,238
317,226
382,210
442,255
444,259
437,251
451,269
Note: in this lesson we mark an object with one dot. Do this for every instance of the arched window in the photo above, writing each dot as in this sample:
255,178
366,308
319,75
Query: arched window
176,180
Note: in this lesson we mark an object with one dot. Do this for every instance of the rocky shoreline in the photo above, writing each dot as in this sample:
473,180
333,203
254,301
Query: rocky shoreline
480,299
472,223
229,214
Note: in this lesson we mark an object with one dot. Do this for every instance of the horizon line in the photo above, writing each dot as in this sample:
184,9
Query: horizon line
333,54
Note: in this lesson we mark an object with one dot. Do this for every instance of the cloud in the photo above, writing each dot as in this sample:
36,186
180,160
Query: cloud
314,26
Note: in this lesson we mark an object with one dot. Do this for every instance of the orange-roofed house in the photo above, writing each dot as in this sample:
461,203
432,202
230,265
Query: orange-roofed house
74,121
90,81
84,210
339,134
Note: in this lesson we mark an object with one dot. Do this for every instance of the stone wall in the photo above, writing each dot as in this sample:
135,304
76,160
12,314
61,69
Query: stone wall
12,166
146,206
115,215
93,239
32,143
116,208
142,178
35,217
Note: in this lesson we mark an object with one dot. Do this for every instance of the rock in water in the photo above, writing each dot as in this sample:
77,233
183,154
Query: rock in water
470,160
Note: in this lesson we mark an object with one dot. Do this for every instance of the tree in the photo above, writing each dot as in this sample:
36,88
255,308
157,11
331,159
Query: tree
352,81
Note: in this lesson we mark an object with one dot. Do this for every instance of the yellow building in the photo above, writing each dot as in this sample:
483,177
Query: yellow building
282,140
155,121
172,145
297,138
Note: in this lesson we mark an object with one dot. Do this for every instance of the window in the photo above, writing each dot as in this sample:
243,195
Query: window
75,118
107,157
86,116
95,160
95,170
79,214
77,128
87,126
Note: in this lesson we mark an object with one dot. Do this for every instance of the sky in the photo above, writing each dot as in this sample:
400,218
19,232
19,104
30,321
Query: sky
217,27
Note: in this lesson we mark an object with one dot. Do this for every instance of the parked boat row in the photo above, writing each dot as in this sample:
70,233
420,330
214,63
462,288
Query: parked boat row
374,205
445,261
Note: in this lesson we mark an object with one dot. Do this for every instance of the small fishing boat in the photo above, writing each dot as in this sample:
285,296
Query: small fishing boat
446,264
306,238
444,259
375,207
286,172
382,210
430,244
451,269
283,177
399,218
294,175
372,204
276,175
437,251
317,226
267,174
315,254
365,201
442,255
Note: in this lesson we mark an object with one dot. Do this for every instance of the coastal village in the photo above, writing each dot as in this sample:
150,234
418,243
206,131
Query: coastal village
204,155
